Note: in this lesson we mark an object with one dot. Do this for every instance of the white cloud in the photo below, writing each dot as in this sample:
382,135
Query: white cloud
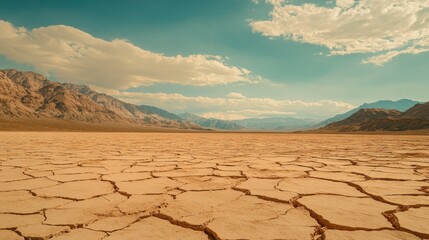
387,57
236,95
345,3
76,56
239,107
384,27
419,47
275,2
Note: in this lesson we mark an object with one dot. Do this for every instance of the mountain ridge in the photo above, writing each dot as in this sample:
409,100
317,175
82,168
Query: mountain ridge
254,124
276,123
32,95
400,105
377,119
211,122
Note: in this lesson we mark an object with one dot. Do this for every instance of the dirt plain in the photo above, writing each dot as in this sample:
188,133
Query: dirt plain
59,185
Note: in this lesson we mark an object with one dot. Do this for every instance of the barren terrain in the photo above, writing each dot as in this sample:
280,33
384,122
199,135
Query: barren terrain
119,186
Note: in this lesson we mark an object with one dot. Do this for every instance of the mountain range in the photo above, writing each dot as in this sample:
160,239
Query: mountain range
379,119
30,95
212,123
291,123
400,105
276,123
254,124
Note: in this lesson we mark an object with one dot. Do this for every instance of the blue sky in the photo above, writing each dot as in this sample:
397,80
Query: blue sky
299,76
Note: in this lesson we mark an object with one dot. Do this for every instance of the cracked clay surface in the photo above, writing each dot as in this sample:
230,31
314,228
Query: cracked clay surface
211,186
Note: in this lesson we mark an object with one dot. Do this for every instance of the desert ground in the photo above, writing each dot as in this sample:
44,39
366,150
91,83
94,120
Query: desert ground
118,186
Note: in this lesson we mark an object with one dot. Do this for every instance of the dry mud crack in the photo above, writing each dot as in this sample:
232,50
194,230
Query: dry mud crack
213,186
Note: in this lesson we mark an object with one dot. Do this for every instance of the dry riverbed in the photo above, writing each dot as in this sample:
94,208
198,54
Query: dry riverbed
118,186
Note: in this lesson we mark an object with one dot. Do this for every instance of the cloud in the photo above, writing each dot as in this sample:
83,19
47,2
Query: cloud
236,95
387,57
345,3
75,56
275,2
242,106
381,27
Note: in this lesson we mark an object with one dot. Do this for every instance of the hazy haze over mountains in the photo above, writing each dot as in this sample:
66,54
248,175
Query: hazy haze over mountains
277,124
211,122
257,124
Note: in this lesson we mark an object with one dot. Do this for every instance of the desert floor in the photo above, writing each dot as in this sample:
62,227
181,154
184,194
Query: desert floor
213,186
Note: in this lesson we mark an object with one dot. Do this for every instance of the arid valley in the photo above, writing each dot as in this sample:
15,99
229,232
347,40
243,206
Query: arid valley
214,120
213,186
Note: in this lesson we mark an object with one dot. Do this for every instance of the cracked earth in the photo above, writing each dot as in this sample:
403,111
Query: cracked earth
118,186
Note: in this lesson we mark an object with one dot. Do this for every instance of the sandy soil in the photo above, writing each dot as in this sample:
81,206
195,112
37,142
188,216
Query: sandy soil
213,186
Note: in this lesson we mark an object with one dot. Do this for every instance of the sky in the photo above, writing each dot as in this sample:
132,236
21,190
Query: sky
228,59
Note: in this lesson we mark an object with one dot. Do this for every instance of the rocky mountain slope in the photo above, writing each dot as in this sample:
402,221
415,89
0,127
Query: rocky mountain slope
400,105
31,95
420,111
211,122
377,119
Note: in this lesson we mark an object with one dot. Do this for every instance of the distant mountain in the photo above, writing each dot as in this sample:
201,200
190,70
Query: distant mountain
400,105
31,95
377,119
276,124
258,124
210,122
